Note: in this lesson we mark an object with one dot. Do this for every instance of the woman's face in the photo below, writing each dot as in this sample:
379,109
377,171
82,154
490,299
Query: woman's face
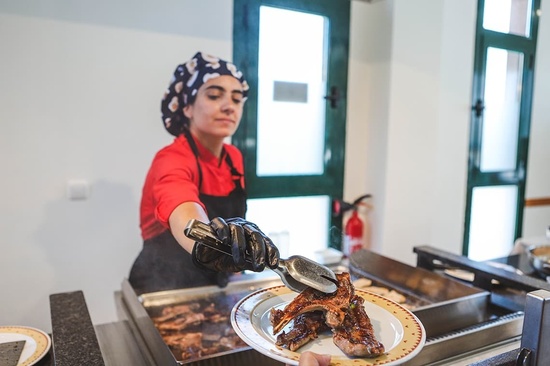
218,107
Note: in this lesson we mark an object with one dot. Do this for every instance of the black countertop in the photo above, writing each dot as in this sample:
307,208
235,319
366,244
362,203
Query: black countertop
74,340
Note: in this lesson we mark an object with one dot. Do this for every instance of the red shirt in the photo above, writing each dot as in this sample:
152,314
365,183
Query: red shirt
173,179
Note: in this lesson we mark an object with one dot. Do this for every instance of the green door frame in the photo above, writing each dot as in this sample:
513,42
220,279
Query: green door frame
477,178
245,54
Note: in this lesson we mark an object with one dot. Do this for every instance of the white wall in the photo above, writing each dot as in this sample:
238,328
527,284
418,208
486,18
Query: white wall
80,99
80,90
408,129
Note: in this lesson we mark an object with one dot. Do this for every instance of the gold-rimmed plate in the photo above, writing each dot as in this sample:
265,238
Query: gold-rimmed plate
400,331
37,343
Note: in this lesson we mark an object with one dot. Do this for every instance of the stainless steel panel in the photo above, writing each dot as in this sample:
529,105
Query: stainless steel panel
444,304
469,340
536,329
145,332
118,345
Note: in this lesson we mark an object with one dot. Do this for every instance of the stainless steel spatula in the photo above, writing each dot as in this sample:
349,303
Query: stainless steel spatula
296,272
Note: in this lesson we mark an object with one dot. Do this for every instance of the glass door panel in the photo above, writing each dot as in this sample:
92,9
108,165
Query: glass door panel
503,81
508,16
291,86
493,220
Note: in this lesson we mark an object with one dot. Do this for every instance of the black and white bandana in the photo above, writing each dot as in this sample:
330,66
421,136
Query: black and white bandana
185,84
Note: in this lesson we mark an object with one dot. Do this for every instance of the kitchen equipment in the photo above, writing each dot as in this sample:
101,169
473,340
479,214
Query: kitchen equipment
539,258
10,352
462,319
458,318
296,272
536,330
139,312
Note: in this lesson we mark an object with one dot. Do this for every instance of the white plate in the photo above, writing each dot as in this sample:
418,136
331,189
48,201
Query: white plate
399,330
37,342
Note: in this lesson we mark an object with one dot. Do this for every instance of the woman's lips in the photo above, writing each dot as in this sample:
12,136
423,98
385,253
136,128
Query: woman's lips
226,121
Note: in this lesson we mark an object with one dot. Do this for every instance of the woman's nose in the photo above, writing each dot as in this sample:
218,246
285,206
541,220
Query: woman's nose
228,105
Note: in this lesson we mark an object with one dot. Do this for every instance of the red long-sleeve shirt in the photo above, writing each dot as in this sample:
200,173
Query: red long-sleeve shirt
173,179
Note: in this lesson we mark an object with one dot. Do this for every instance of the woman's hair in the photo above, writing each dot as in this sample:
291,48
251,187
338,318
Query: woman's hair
185,83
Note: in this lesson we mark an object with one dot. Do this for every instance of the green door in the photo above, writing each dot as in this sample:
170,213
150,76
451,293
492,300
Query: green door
501,114
294,55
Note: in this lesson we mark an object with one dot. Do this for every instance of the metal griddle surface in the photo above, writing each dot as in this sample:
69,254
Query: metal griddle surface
212,297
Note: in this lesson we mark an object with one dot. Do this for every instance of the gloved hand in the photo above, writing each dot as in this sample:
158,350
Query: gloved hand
251,248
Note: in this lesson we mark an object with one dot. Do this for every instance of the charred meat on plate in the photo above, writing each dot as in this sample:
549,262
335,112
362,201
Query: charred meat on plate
333,305
307,327
356,336
342,312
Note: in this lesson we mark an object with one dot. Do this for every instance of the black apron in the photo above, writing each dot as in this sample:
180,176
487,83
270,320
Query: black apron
164,265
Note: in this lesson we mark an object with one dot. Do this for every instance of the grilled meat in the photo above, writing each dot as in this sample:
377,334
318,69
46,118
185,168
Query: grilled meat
356,336
180,323
176,311
185,343
343,312
198,328
306,327
333,305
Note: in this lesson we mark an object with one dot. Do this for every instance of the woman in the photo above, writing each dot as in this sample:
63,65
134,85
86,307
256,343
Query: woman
198,176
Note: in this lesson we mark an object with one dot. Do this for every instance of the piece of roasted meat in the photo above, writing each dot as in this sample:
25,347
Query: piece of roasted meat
356,336
333,305
307,327
314,312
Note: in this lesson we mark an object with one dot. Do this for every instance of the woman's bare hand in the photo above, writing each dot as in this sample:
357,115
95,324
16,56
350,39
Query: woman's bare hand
309,358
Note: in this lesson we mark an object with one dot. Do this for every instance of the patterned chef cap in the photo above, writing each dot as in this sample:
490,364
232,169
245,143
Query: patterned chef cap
185,83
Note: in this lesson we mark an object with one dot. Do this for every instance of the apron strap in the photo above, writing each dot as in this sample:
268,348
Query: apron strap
234,172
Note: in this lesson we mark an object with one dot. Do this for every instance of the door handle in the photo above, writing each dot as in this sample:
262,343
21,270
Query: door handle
478,107
334,96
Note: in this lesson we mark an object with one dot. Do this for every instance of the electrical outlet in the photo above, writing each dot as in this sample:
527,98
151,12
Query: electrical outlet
78,189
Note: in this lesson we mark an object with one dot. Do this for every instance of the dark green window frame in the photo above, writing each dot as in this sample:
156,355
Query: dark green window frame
476,178
245,54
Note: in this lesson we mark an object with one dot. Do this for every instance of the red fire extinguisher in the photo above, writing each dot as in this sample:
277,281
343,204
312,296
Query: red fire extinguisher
353,233
353,238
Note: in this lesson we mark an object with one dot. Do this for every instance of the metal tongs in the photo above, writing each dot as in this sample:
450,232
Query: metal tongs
296,272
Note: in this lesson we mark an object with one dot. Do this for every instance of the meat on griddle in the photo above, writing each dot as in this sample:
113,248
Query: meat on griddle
176,311
343,312
179,323
198,328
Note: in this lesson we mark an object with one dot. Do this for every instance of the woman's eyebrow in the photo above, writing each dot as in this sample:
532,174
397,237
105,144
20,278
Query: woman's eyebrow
222,89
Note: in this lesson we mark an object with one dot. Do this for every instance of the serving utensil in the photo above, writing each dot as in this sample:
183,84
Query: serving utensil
296,272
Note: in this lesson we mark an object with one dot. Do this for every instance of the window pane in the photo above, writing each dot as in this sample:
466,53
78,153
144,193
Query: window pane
291,83
501,116
508,16
493,221
289,222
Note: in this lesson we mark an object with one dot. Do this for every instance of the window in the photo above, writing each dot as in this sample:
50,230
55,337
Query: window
502,93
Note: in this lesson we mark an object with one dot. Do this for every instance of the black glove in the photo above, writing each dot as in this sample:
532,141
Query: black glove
250,247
